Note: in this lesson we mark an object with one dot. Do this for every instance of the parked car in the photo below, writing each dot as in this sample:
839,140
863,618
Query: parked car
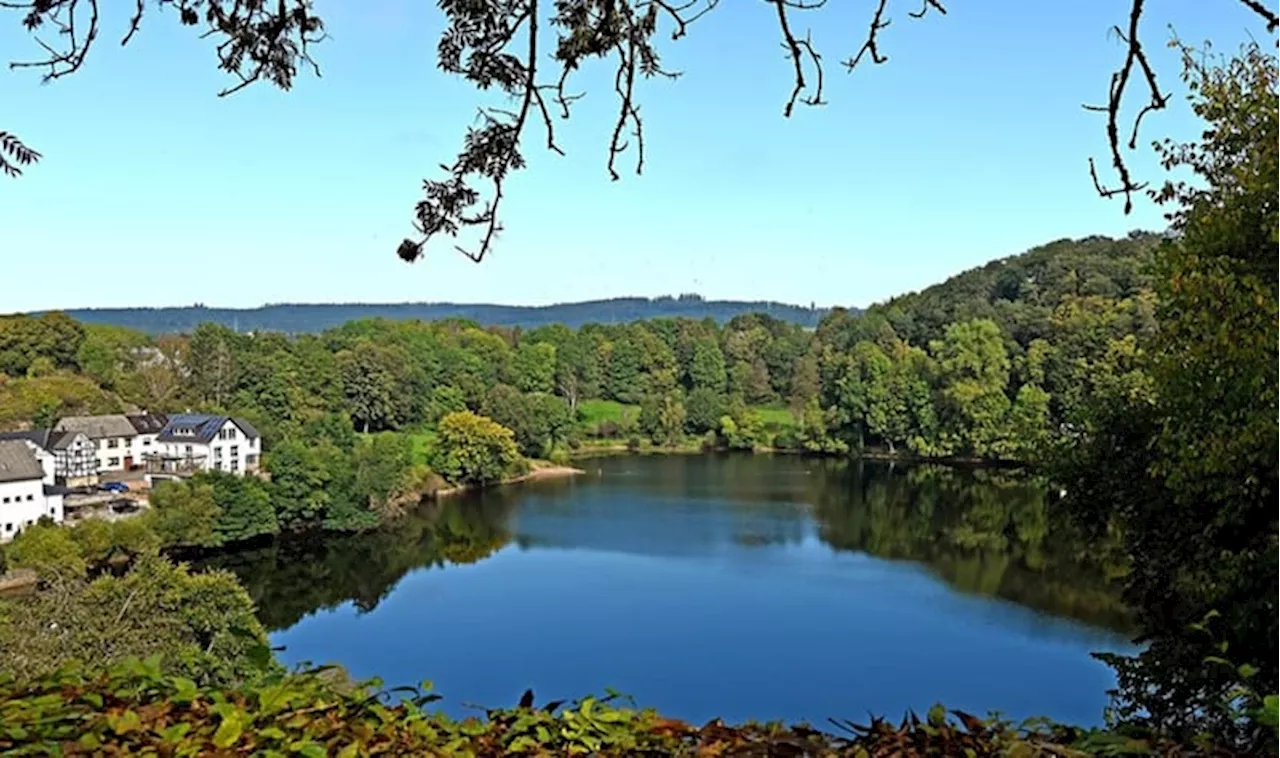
113,487
124,506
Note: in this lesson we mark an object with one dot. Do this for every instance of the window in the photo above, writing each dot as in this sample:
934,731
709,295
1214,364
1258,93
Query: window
235,450
146,442
30,498
188,451
8,527
113,442
235,464
113,461
6,499
250,460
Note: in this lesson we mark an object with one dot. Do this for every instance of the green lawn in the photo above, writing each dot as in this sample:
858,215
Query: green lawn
422,440
593,412
775,416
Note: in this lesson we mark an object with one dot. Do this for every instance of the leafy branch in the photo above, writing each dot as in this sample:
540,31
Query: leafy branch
14,155
496,44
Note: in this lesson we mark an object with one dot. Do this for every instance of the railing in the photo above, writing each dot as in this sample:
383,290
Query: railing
174,465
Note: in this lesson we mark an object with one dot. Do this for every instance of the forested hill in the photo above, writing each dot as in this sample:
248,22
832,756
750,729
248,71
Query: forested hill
1022,292
299,318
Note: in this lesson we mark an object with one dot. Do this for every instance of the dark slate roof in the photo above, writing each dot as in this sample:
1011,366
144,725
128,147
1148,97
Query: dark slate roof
204,427
18,463
38,436
46,439
245,427
148,423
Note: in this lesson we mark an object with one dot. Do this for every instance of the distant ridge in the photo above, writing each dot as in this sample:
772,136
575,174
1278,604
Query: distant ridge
295,318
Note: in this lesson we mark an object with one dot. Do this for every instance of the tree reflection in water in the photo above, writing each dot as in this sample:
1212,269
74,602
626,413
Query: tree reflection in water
983,532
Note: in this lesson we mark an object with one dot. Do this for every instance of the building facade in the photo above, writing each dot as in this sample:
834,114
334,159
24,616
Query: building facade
121,442
148,427
112,436
189,443
74,454
27,488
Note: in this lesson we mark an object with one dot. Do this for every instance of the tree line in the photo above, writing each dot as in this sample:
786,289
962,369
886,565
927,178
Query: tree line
993,363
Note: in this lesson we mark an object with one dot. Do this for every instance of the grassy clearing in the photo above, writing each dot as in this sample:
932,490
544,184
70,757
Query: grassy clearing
593,412
776,416
423,441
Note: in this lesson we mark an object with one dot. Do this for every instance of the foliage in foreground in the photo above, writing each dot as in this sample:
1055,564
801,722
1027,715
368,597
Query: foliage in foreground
137,708
1187,476
203,623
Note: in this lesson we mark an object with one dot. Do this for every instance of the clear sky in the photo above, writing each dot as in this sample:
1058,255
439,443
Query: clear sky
969,144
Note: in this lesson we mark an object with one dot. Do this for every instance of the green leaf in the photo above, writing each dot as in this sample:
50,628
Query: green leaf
937,715
309,749
185,690
228,732
176,732
126,722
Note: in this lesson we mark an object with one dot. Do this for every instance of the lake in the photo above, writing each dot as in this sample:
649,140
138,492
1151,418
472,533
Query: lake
739,586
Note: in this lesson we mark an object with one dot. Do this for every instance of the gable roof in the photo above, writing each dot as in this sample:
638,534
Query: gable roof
38,436
18,463
97,427
46,439
147,423
203,427
245,427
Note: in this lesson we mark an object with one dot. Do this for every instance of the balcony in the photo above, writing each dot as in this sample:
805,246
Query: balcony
157,464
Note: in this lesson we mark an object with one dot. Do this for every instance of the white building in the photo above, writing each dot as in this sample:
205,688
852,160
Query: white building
74,455
121,442
148,426
27,490
112,435
197,442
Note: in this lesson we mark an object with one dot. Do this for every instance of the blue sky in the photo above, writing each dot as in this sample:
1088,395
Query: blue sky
969,144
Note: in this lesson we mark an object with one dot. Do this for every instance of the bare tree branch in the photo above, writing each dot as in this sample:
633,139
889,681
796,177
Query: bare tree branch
494,44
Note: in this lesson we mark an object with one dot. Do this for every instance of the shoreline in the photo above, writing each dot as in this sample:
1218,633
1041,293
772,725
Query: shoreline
538,471
611,451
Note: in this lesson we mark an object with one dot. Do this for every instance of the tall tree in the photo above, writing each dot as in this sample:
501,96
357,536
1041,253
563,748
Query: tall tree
1189,475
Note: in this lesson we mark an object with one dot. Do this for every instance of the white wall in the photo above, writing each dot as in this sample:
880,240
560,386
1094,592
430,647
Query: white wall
124,447
22,504
47,460
143,444
231,445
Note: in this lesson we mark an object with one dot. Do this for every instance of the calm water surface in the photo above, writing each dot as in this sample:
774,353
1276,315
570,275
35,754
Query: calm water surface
734,586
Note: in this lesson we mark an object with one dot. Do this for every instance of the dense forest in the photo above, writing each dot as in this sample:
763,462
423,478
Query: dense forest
297,318
993,364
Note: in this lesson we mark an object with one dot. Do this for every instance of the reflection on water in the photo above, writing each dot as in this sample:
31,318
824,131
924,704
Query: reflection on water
846,586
